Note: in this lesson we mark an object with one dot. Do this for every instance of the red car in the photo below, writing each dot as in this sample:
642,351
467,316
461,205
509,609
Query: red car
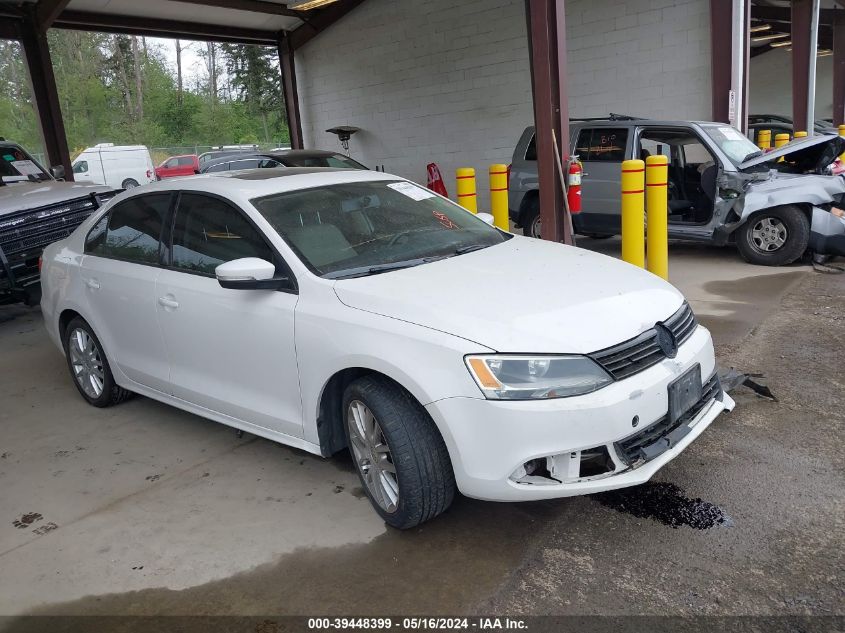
186,165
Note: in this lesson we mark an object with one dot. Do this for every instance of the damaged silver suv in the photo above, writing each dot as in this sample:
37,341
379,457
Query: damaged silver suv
722,189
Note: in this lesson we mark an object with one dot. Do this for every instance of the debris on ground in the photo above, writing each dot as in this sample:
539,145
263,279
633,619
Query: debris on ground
733,379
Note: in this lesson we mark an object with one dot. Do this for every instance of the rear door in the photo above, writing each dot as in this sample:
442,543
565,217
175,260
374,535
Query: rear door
231,351
119,270
601,150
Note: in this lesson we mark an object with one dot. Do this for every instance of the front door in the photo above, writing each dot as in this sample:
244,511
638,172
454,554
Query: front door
231,351
119,270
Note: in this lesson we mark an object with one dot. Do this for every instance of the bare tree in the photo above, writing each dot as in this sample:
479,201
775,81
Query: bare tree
179,72
139,86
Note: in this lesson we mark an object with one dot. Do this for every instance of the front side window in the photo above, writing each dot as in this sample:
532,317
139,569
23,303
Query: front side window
602,144
80,167
131,231
363,228
185,161
208,232
218,167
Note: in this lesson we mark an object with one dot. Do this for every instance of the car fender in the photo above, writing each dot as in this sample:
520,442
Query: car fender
784,189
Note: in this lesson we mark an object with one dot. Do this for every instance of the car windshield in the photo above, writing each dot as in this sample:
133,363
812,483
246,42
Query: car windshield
16,166
365,228
732,142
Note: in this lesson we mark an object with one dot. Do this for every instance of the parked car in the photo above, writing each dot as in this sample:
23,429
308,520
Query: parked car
779,124
327,309
35,210
284,158
225,150
722,188
185,165
118,166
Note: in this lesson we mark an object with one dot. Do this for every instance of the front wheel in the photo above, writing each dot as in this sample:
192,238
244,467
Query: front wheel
774,237
89,366
129,183
531,225
399,454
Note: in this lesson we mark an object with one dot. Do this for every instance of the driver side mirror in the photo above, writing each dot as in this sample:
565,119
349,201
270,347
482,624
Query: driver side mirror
58,172
250,273
486,217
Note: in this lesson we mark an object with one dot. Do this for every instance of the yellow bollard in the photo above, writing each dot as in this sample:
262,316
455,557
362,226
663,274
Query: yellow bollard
764,139
499,195
800,134
633,212
842,134
465,185
657,205
781,140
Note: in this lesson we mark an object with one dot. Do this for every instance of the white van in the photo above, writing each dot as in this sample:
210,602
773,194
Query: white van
119,166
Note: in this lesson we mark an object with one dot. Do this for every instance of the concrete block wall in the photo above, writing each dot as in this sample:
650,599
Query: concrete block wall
770,89
449,82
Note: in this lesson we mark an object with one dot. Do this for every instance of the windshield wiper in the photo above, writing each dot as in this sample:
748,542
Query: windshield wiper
364,271
461,250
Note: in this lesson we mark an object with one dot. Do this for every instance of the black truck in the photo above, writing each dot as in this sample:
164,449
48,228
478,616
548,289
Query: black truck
36,208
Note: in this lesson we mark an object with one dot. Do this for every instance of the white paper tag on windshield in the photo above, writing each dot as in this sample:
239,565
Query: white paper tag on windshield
411,190
26,167
731,134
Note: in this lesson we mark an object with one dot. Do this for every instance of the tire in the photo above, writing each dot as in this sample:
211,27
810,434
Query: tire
129,183
531,221
598,236
774,237
84,355
408,442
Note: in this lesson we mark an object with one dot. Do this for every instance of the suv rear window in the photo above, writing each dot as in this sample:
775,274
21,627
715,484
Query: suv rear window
602,144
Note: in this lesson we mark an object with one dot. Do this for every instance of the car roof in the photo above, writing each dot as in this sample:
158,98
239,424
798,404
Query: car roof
256,183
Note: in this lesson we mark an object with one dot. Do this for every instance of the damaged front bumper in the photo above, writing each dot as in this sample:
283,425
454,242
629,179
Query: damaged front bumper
827,233
615,437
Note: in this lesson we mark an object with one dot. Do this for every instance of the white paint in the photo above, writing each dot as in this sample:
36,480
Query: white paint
738,117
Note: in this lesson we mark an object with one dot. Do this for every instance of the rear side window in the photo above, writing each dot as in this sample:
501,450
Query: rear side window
208,232
531,150
602,144
218,167
131,231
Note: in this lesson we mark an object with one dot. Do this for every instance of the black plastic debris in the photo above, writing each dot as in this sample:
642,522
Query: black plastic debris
733,379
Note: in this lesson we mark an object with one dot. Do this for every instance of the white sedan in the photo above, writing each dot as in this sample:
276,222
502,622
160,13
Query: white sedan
327,309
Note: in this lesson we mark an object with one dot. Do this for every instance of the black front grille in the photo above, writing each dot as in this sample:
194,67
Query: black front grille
663,434
641,352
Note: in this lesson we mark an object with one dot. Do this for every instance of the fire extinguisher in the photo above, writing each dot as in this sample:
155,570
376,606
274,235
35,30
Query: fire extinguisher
573,190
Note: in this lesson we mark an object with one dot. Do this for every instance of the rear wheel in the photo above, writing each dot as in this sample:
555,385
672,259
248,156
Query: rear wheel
774,237
531,222
399,454
129,183
89,366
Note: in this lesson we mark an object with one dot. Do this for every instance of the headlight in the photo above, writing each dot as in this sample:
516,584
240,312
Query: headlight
504,377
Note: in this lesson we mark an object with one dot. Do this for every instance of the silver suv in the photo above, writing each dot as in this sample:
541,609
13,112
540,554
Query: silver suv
36,209
722,188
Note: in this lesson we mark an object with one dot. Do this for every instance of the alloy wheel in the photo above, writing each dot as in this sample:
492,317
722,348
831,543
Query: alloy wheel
87,362
768,235
372,456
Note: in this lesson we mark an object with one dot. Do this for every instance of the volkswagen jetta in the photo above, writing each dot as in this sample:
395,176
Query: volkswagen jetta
327,309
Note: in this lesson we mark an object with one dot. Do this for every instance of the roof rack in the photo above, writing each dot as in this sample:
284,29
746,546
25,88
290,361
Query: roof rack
610,117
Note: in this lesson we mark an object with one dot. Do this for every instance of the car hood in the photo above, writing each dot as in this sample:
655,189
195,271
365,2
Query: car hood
32,195
525,295
813,153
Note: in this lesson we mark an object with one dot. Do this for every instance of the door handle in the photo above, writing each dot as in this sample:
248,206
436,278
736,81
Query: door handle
168,303
93,284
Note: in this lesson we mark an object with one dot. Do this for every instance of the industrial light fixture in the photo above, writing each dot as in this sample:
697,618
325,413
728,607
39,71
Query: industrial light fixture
344,133
759,28
307,5
783,43
769,37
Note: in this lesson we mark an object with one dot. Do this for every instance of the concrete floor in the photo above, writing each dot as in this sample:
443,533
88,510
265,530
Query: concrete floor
144,509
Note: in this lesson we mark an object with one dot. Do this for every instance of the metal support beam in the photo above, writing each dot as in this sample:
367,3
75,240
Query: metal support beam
810,127
46,95
253,6
839,68
156,27
46,12
547,50
287,66
802,13
720,59
320,21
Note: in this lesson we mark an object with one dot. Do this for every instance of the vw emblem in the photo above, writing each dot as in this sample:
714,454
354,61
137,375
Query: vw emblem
666,340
